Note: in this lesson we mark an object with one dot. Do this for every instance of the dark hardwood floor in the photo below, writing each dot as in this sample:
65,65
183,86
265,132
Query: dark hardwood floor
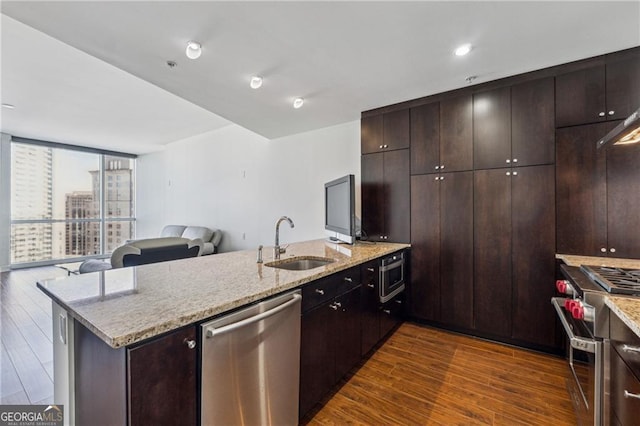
420,375
426,376
26,359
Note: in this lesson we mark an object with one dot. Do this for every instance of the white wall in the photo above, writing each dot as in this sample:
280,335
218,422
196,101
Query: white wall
241,183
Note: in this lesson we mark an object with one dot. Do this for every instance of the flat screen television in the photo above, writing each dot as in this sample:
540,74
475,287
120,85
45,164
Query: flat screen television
340,209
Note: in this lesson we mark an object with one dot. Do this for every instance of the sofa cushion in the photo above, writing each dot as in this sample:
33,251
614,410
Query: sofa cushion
173,231
193,232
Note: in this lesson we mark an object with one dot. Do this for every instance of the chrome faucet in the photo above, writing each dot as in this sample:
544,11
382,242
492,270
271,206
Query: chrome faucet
277,250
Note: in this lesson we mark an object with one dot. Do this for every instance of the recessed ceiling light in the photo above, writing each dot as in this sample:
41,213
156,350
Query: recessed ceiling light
256,82
194,50
463,50
298,102
8,106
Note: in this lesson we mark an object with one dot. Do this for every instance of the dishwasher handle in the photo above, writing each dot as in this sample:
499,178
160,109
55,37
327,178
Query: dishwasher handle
212,331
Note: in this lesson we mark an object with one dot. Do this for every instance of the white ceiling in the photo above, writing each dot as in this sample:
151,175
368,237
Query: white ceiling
342,57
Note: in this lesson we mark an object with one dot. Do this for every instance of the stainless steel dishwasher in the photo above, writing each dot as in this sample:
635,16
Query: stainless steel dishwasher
251,365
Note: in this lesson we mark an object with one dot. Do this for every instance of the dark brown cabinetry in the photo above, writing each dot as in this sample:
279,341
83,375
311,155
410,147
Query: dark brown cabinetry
442,248
514,247
370,305
514,126
441,136
391,314
599,93
153,382
162,380
625,374
385,132
385,196
492,128
598,194
330,334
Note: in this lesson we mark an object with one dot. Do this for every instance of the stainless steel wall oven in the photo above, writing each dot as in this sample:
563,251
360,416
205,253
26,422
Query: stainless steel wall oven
391,276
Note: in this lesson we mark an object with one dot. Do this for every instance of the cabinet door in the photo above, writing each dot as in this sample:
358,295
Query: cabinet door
373,195
371,134
370,306
392,313
492,252
162,380
456,134
623,88
456,249
347,332
317,361
533,123
424,291
533,259
492,129
397,201
623,200
580,97
581,190
425,139
396,130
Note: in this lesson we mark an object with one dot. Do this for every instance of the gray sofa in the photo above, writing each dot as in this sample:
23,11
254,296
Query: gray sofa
142,252
211,237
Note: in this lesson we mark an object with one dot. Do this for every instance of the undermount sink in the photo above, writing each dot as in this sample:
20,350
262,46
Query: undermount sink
300,263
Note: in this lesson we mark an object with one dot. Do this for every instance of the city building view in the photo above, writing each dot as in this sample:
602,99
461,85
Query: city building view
56,207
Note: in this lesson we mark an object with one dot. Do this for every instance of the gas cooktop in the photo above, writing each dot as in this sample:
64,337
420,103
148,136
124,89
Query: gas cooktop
615,280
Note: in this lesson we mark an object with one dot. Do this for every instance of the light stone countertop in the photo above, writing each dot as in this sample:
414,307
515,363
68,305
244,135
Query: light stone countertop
127,305
627,309
615,262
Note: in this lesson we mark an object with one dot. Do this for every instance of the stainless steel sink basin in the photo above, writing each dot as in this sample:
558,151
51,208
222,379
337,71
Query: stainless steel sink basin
300,263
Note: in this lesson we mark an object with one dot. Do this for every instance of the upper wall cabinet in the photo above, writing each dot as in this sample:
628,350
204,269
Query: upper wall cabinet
600,93
441,136
492,129
514,126
385,132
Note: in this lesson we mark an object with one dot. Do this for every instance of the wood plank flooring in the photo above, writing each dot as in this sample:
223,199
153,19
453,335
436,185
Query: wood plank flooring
26,353
425,376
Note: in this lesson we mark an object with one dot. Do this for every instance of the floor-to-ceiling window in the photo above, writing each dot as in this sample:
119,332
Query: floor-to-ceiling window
69,203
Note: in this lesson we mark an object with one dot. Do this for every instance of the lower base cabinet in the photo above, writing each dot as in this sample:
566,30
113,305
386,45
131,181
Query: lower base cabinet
391,314
330,334
625,374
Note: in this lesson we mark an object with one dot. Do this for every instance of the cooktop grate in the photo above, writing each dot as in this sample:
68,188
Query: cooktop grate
615,280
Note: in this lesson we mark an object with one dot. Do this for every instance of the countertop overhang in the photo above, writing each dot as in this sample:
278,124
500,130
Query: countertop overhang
128,305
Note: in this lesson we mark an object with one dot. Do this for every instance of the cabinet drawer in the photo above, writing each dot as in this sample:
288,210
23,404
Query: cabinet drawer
317,292
625,408
347,280
626,342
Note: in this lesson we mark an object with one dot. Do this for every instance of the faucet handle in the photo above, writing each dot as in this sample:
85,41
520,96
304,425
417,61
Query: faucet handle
283,249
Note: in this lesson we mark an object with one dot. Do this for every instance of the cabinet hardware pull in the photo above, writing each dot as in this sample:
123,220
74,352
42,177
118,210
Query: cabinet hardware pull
437,167
370,285
601,114
320,291
386,311
380,146
399,302
508,173
333,306
628,348
349,280
442,167
371,270
437,178
628,394
612,250
191,344
441,177
508,160
515,173
611,112
515,160
603,250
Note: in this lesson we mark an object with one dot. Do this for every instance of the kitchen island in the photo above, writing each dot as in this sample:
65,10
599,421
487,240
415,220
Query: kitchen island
136,328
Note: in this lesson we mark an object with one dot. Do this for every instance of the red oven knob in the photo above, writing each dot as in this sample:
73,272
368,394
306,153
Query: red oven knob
561,286
578,311
569,304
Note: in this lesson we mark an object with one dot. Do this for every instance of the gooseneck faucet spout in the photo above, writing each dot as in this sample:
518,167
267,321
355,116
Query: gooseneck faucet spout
277,250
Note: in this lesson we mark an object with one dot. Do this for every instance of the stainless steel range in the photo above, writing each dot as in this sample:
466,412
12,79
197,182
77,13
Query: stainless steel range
585,319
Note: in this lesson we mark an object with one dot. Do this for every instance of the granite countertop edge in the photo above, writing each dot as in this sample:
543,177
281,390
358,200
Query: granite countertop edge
82,311
627,309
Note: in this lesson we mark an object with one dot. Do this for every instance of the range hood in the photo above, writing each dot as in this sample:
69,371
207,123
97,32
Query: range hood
626,132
